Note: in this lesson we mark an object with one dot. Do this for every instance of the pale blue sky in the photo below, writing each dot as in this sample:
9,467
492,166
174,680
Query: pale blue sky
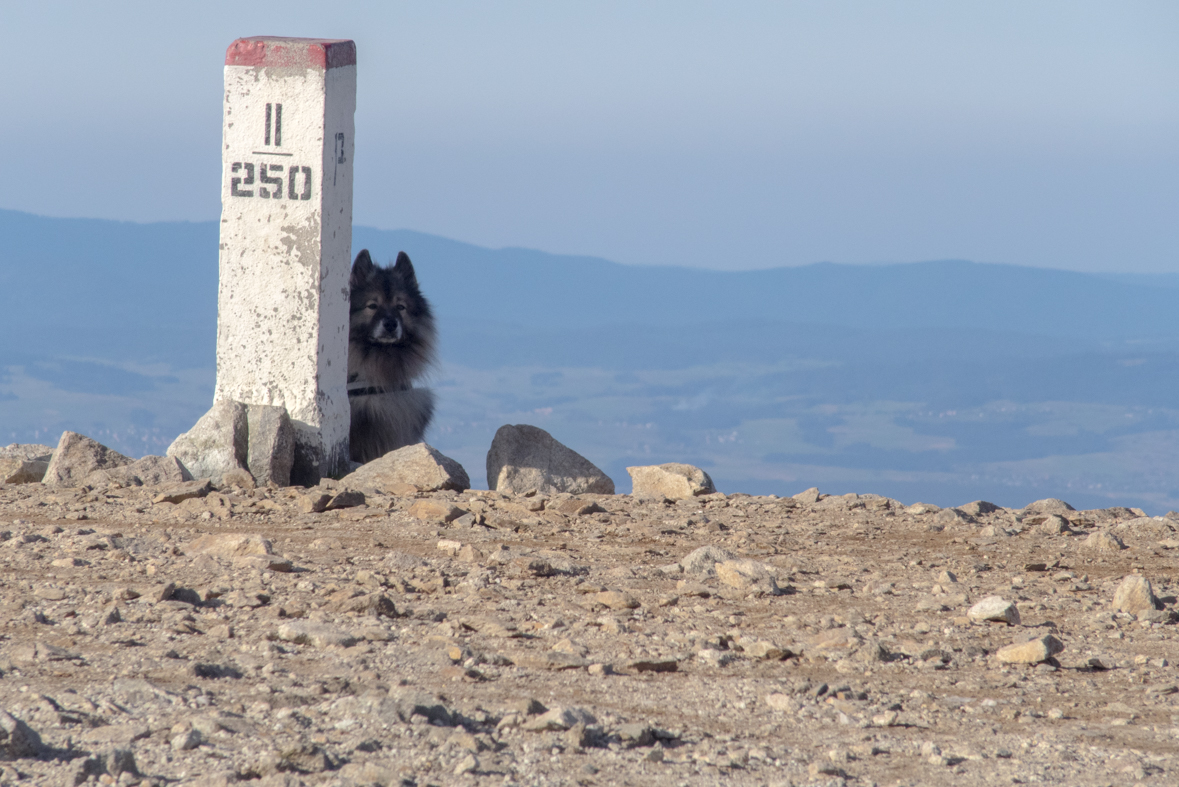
725,135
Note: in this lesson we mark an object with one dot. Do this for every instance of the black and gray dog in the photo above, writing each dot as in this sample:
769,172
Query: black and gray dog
390,344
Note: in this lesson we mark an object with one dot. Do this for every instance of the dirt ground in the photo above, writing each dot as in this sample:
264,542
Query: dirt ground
573,641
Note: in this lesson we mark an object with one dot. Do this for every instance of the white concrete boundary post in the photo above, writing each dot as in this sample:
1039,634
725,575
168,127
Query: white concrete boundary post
286,238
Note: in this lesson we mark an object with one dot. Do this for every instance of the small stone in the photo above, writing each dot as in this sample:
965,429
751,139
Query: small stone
1053,525
748,576
886,719
714,658
1031,652
549,660
236,477
782,702
1102,541
469,554
314,503
809,496
669,481
17,739
468,764
449,546
186,740
348,498
653,665
994,609
433,510
419,466
1135,595
178,493
231,545
319,635
616,599
702,561
635,735
559,719
947,578
375,604
764,650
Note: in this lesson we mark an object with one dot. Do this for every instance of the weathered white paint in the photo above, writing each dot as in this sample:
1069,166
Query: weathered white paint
282,306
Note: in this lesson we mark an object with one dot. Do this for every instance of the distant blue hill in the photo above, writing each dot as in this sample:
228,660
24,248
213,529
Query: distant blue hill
84,287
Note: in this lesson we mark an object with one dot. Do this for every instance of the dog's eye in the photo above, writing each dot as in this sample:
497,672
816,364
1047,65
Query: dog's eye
372,305
400,307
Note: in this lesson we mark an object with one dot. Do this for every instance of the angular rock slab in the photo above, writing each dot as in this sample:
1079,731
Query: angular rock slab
231,545
24,463
76,457
673,481
526,458
270,452
217,444
702,560
22,471
1135,595
747,576
1032,652
417,465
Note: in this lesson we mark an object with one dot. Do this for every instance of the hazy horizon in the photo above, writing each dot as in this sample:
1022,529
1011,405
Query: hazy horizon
706,135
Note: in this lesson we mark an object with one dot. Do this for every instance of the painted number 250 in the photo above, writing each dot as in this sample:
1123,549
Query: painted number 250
270,181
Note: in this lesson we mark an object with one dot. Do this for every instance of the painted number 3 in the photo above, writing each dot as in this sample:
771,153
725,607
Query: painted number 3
270,181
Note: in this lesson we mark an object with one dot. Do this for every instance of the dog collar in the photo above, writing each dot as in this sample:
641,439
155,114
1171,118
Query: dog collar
362,388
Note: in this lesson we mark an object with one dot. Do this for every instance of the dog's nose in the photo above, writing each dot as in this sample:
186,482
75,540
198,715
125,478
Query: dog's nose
391,325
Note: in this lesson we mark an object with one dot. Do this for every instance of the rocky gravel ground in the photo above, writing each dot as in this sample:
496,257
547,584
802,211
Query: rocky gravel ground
151,635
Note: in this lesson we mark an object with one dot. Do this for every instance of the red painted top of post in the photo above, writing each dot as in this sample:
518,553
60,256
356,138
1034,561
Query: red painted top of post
291,52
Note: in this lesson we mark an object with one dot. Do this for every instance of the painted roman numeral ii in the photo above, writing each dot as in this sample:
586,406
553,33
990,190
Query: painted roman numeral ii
274,112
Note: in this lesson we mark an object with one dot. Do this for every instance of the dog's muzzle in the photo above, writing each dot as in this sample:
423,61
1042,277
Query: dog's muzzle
387,332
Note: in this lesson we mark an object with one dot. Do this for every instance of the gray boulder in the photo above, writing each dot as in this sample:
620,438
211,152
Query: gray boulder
148,471
527,459
416,465
235,440
1135,595
673,481
270,453
76,457
217,444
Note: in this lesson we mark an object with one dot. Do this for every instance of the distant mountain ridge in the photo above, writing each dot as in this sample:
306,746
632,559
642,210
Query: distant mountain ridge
148,291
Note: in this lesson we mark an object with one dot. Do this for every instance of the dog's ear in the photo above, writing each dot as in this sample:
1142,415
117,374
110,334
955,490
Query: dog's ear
404,268
362,269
